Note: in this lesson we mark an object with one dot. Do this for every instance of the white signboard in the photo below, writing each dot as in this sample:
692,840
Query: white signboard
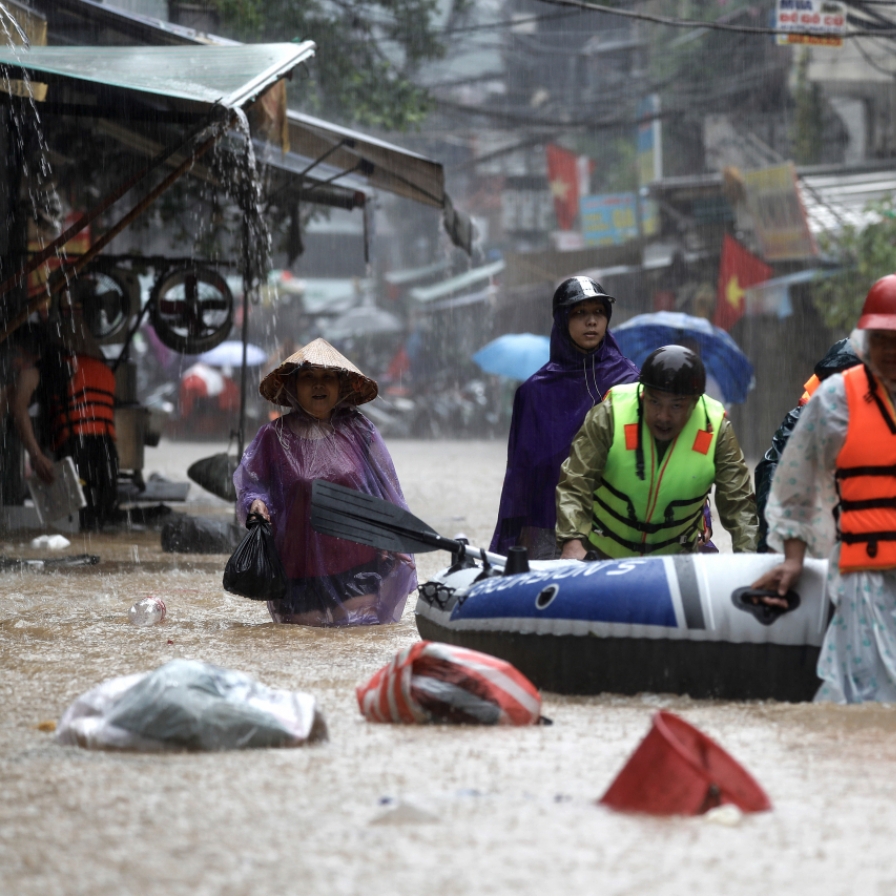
529,210
817,22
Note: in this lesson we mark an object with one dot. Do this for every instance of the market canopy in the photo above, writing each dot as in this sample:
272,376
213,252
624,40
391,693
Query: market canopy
453,285
384,165
184,76
362,160
122,86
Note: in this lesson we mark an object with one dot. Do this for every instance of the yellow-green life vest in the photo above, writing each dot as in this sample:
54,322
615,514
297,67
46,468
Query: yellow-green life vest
663,512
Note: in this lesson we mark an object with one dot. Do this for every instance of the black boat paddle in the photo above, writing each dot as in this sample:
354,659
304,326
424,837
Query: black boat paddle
355,516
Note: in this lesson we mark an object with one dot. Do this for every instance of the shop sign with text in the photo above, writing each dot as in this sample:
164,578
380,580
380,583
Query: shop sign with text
815,22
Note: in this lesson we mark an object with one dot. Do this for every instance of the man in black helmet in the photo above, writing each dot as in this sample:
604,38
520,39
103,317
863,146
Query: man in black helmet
643,463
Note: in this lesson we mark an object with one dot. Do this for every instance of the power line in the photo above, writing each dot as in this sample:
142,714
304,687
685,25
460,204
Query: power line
512,23
867,57
696,23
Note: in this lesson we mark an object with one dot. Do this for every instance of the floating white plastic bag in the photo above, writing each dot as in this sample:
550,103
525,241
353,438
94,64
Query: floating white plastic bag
53,542
189,705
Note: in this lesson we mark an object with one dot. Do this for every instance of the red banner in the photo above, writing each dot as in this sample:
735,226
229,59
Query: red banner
563,178
738,270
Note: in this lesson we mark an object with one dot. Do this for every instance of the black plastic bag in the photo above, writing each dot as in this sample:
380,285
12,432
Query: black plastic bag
215,474
254,569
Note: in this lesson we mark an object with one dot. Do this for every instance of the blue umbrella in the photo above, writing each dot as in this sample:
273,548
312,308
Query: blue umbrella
722,356
514,355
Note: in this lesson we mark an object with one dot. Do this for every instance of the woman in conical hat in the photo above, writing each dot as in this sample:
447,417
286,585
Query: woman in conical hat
330,581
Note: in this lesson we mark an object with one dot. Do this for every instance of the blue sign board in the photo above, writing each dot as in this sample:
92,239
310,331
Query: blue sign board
609,218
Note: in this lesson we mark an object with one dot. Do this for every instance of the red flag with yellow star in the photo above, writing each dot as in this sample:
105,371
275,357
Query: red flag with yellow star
563,178
738,270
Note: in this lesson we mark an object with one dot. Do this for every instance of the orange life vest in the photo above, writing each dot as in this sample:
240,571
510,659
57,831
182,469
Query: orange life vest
810,386
87,408
866,476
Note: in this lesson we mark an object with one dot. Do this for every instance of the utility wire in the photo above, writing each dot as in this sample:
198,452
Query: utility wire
876,66
696,23
513,23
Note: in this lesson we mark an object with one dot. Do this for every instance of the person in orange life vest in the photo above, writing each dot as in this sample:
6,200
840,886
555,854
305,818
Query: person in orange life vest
838,358
643,463
834,495
76,391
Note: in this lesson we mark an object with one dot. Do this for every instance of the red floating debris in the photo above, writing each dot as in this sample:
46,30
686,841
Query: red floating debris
433,682
678,770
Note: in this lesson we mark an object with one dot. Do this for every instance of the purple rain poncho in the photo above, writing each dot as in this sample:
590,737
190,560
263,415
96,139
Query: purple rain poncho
330,581
548,410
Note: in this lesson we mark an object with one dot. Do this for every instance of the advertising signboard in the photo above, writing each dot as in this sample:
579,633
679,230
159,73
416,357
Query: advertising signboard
778,214
609,218
818,22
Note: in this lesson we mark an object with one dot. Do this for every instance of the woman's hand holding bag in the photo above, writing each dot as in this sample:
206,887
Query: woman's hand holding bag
254,570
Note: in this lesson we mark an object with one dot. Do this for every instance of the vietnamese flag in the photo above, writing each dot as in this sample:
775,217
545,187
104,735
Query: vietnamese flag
738,270
563,179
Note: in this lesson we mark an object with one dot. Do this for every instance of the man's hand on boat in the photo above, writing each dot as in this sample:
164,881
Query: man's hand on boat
781,577
574,549
258,506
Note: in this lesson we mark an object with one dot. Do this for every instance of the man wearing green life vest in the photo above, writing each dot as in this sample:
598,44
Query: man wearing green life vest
643,463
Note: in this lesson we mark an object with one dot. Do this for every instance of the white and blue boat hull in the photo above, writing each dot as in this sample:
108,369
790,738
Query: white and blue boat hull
661,624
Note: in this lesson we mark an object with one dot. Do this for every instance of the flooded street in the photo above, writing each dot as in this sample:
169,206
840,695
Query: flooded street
384,809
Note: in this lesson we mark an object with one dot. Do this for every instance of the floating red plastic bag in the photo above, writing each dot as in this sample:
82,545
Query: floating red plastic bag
433,682
678,770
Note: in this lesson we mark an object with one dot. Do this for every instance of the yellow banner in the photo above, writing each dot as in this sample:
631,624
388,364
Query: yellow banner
778,214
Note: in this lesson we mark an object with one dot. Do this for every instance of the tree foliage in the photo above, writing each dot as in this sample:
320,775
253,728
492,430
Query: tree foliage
367,53
866,254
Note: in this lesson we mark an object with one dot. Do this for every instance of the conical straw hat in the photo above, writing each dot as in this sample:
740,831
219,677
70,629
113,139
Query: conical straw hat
357,388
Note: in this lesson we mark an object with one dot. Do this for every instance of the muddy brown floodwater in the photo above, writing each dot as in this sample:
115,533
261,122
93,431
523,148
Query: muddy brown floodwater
384,809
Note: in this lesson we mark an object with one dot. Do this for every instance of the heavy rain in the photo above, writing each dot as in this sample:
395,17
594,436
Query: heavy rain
405,199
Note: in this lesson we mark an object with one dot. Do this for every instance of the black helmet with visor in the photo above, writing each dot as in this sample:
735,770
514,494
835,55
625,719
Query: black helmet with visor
580,289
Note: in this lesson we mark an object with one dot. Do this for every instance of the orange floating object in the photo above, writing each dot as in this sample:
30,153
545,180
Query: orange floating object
678,770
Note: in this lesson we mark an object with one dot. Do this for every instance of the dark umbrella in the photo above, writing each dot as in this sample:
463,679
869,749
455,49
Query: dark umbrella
721,355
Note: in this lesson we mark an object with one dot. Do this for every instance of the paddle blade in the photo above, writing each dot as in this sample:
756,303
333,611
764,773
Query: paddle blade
345,513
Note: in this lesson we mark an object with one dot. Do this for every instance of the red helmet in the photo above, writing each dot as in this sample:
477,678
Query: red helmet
879,310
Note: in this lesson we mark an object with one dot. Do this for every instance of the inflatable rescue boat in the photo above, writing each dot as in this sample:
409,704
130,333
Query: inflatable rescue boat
687,624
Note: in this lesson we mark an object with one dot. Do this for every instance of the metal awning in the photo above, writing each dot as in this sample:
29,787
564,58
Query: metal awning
319,183
206,85
380,164
446,288
207,76
385,166
838,199
110,25
183,76
409,275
